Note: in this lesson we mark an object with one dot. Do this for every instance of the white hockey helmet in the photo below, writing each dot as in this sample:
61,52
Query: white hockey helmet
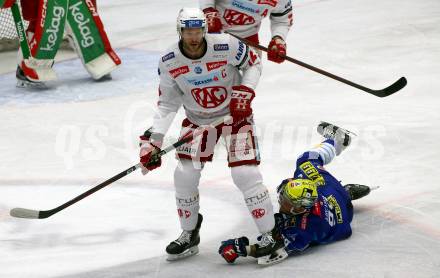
191,18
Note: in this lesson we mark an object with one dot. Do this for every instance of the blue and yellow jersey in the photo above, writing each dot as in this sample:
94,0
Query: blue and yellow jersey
328,221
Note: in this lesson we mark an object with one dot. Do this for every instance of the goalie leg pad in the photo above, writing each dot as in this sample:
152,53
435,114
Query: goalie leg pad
29,9
46,25
90,39
49,30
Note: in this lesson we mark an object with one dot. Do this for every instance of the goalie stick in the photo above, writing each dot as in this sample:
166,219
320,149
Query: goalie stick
41,214
396,86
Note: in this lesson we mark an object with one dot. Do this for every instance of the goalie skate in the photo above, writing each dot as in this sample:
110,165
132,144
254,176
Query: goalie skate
186,245
24,82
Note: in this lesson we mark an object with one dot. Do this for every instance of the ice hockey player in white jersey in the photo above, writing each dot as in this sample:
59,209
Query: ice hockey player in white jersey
243,18
212,76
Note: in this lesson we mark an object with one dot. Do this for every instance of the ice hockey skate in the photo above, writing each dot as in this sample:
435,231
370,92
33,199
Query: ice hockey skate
24,82
272,243
186,245
357,191
340,135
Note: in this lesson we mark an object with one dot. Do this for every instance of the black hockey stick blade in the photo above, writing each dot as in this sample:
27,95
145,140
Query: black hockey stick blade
395,87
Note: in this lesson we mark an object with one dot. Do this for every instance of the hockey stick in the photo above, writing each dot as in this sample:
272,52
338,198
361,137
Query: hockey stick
396,86
40,214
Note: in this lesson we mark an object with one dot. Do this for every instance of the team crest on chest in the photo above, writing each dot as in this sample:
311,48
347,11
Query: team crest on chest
233,17
209,97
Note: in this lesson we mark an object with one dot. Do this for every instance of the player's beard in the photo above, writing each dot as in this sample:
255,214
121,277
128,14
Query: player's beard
194,48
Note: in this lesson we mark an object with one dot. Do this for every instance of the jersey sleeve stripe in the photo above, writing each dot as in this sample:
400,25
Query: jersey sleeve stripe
281,14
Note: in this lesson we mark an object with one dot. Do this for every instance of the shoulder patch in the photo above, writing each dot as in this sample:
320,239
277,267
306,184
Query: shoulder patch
168,56
221,47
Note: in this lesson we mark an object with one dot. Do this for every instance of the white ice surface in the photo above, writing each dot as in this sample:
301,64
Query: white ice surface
58,143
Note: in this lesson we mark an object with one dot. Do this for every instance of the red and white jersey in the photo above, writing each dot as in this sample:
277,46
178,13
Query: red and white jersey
204,86
243,17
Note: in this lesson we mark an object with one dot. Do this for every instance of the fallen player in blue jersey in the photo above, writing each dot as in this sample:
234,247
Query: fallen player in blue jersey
315,208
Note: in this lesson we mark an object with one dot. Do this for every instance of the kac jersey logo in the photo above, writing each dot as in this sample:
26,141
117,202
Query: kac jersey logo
234,17
209,97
